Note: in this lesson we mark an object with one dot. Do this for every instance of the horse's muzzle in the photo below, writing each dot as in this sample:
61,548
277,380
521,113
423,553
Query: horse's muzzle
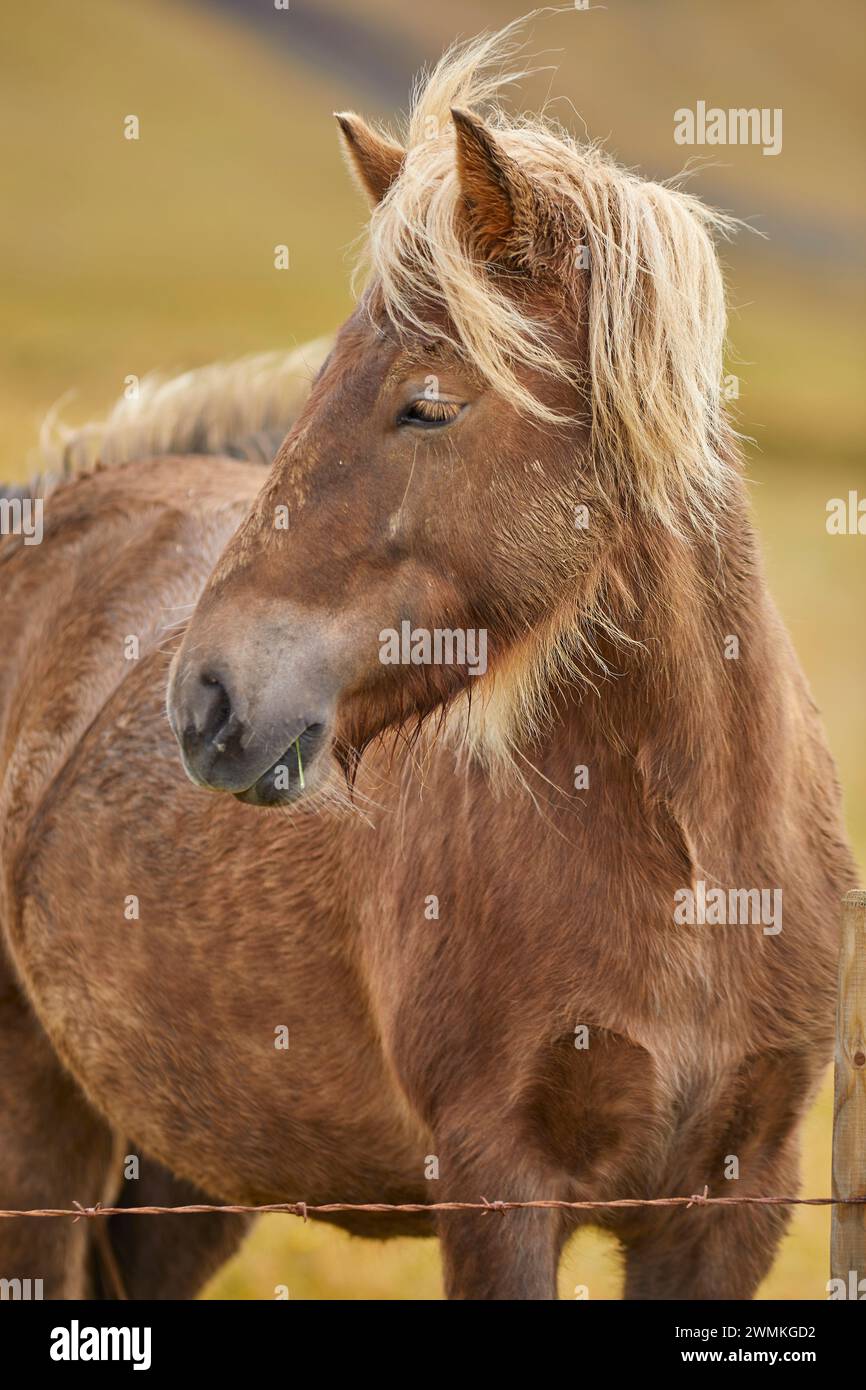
263,764
285,780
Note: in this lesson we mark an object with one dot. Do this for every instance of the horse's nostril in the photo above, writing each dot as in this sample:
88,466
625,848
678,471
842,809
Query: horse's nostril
216,716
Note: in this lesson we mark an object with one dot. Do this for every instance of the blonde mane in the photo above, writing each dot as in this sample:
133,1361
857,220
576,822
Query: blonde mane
653,291
241,408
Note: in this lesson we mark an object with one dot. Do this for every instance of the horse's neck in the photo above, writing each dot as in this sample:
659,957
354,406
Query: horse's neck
698,707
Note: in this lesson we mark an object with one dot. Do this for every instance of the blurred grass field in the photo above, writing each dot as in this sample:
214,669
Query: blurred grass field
124,256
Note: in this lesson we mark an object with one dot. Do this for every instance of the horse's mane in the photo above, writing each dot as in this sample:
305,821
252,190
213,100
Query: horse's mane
237,409
655,303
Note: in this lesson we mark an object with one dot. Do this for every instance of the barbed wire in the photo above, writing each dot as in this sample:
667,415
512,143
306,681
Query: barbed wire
484,1207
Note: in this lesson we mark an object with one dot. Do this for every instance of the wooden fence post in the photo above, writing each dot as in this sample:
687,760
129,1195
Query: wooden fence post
848,1223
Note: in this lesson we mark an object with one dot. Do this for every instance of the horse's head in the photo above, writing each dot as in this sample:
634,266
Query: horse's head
534,361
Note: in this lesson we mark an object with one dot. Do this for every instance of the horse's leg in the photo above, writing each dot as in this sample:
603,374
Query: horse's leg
162,1257
710,1254
54,1150
719,1252
498,1255
494,1256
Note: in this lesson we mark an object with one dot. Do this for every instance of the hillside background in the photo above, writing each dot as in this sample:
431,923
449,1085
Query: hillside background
121,257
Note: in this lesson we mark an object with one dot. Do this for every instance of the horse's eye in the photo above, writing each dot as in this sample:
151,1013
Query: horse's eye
429,413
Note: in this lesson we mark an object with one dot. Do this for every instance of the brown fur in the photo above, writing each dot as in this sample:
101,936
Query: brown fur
410,1037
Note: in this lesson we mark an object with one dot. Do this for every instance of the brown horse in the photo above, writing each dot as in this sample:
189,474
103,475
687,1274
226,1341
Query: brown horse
545,907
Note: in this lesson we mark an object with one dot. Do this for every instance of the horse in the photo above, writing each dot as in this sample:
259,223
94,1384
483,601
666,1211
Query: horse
345,916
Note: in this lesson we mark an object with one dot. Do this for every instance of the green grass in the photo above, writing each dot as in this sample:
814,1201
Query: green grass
122,257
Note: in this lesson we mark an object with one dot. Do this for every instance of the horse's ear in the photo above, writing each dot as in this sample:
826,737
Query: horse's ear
497,195
375,160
